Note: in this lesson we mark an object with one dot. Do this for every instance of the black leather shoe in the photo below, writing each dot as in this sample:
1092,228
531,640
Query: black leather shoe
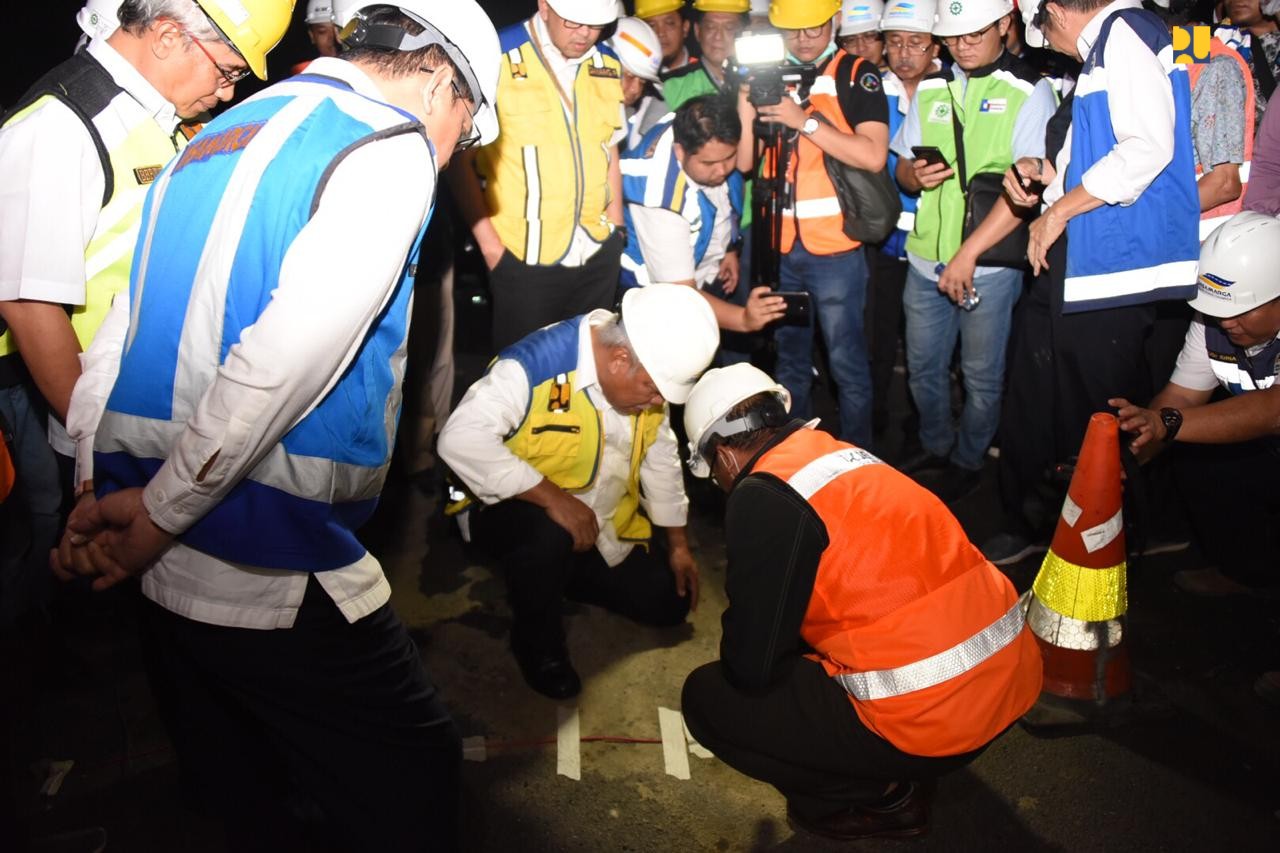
955,483
549,673
921,461
907,817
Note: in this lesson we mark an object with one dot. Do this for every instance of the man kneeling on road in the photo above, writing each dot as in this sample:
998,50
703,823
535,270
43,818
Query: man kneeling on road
566,442
868,647
1233,343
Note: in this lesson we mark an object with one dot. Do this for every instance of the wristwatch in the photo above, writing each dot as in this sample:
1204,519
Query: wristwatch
1172,420
810,126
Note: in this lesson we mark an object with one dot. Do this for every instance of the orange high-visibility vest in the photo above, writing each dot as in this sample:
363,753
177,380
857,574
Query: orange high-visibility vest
1215,216
925,635
815,211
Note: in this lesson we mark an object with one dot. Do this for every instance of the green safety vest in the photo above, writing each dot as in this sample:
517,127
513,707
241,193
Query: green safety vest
132,148
987,107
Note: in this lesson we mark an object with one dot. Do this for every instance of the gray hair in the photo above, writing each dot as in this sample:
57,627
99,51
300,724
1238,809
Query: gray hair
613,333
137,15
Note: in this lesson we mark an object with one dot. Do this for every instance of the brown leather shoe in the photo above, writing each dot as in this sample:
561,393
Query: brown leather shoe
908,817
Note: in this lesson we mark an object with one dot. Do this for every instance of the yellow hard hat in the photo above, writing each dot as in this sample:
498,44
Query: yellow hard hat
735,6
802,14
654,8
252,27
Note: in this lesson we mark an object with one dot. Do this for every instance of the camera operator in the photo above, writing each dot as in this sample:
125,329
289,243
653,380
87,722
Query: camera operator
843,115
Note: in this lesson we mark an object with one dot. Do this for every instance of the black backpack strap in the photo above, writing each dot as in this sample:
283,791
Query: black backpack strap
86,88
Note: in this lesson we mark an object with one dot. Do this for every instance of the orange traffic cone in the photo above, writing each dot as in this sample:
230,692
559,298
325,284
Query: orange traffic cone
1080,595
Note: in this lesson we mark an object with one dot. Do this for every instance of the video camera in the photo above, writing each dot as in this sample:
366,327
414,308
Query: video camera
761,60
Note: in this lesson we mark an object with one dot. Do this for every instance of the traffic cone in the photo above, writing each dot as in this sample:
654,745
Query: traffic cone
1080,596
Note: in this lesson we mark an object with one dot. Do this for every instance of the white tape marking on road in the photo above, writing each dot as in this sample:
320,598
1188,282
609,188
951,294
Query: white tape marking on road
675,752
568,756
473,748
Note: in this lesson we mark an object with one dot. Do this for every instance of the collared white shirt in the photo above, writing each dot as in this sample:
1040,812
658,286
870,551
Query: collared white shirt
667,242
495,406
51,196
565,70
1142,115
273,377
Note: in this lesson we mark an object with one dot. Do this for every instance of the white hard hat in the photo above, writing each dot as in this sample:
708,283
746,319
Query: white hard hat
1031,37
1239,266
99,18
859,16
594,13
319,11
909,16
760,8
715,395
637,48
958,17
461,27
673,332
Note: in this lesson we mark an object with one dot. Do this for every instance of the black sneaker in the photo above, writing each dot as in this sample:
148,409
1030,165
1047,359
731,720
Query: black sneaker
1005,549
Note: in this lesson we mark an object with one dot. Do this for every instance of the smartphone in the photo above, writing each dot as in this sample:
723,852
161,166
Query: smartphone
930,154
799,308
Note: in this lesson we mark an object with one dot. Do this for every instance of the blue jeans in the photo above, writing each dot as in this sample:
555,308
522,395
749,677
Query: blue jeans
838,286
933,321
29,519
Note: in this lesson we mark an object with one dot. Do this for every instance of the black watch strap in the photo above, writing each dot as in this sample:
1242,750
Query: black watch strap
1172,420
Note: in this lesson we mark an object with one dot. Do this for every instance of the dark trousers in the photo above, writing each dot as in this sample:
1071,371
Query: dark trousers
542,569
1062,369
887,278
1230,491
803,737
340,714
526,297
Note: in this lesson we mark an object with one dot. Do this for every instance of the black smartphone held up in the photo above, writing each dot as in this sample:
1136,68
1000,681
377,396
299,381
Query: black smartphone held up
799,308
930,154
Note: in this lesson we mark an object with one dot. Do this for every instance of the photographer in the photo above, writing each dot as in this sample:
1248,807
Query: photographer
977,118
843,114
684,198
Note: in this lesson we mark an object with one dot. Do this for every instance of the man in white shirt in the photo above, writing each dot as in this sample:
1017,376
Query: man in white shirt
80,149
544,201
567,443
240,406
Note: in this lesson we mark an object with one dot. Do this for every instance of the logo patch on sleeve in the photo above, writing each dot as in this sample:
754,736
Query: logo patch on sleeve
870,81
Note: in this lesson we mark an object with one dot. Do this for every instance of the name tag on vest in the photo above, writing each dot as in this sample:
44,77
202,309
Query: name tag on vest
146,174
993,105
604,71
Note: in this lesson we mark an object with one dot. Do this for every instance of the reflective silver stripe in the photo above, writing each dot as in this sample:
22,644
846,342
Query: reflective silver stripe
309,477
960,658
1068,633
812,477
532,204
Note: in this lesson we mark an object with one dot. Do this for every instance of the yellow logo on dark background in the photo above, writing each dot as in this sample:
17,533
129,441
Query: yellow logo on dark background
1191,44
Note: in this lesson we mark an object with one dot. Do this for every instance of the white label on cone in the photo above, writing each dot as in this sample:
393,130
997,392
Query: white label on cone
1071,511
1102,535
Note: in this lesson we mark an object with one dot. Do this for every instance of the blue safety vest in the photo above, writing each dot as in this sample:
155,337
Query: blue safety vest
252,179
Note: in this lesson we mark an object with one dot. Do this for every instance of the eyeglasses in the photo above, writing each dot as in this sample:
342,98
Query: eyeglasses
473,135
230,77
807,32
908,47
574,25
968,38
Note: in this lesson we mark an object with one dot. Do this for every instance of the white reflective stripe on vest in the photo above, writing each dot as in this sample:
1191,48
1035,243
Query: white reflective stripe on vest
815,208
812,477
960,658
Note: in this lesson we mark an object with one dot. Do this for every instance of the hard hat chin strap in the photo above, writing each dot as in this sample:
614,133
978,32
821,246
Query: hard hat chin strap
360,33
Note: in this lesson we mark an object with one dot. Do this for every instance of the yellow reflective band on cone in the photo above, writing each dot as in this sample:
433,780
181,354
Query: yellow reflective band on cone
1078,592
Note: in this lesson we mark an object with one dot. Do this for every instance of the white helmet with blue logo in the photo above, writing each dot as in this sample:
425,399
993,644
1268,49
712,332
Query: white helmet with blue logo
908,16
1239,266
859,16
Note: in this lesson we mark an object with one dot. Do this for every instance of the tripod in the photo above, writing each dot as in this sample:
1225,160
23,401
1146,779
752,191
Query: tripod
772,195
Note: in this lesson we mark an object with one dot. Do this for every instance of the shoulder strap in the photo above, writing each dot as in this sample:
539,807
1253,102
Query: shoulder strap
958,129
86,88
1262,68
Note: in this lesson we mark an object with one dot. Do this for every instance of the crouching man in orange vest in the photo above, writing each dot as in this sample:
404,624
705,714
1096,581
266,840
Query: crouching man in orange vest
868,646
